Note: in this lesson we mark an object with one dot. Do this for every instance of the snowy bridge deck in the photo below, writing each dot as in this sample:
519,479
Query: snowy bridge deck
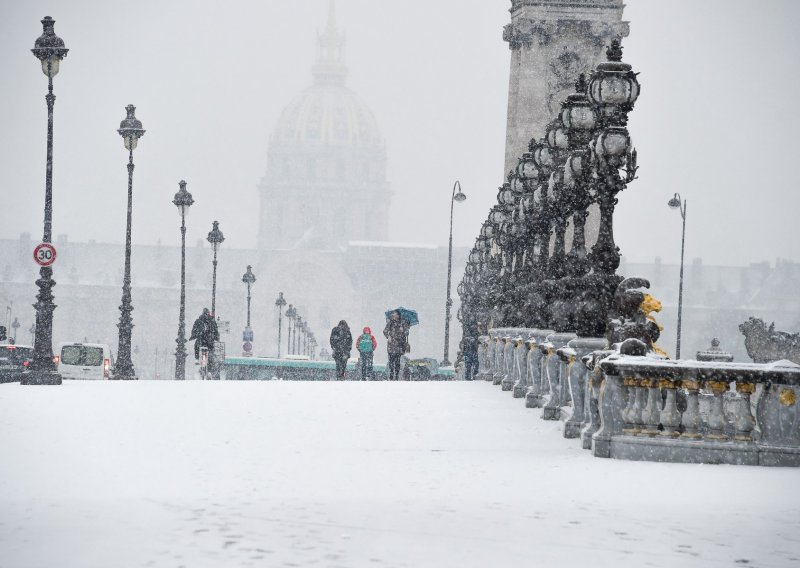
352,474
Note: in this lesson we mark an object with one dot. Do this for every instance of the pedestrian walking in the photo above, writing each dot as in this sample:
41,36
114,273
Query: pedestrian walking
469,347
341,344
396,333
205,332
366,345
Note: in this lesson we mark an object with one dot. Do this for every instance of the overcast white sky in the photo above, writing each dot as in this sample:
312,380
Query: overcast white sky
210,78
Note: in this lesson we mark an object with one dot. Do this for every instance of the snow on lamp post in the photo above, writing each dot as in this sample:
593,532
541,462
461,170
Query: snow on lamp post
279,303
249,279
50,50
131,130
680,205
455,197
183,200
215,237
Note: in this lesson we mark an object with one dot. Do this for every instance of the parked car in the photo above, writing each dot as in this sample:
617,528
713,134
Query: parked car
84,361
14,359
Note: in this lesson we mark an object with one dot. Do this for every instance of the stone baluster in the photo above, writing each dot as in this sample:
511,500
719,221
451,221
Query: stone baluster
497,371
508,363
691,420
743,420
716,415
521,368
629,388
488,371
555,369
512,375
534,397
611,421
595,381
577,380
651,413
670,417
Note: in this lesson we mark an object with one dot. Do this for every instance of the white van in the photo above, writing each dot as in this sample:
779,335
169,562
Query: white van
84,361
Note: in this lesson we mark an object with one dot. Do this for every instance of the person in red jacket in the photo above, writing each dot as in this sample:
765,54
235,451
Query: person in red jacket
366,345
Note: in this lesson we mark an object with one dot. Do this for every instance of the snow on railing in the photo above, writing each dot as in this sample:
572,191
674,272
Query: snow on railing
646,408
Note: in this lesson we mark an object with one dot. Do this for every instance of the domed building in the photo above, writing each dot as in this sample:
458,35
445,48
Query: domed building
326,165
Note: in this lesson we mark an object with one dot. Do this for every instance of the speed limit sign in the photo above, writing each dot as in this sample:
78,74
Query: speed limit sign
44,254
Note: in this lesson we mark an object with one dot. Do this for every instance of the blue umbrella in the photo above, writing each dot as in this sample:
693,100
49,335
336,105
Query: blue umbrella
409,315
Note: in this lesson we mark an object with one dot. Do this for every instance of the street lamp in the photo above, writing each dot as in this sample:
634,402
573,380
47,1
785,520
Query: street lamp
298,325
676,203
455,197
131,130
183,200
215,237
32,331
15,325
50,50
280,302
303,343
291,313
249,279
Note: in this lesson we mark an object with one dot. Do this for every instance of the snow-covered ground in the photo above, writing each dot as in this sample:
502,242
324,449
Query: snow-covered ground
351,474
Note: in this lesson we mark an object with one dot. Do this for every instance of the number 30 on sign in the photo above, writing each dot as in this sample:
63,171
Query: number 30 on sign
44,254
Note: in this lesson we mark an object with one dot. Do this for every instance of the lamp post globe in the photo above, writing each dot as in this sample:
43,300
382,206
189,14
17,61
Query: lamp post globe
183,200
49,49
680,205
279,303
215,237
454,198
131,130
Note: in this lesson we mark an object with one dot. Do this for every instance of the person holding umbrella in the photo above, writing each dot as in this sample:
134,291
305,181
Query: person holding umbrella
396,333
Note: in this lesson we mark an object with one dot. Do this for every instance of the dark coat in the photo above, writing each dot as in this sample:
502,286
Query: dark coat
341,341
396,332
205,330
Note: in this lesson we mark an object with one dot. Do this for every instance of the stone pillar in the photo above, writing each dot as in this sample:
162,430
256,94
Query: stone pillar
551,43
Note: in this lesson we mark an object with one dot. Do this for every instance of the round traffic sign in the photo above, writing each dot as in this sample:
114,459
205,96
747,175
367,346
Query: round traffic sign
247,347
44,254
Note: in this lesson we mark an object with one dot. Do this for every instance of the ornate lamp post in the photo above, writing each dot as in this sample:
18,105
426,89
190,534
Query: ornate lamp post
183,200
676,203
280,302
32,331
249,279
50,50
15,325
455,197
131,130
613,89
215,237
291,313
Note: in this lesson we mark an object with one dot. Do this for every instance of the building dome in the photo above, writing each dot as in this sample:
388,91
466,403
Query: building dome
325,184
329,114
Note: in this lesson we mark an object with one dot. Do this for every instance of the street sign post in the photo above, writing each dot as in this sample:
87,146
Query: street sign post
44,254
